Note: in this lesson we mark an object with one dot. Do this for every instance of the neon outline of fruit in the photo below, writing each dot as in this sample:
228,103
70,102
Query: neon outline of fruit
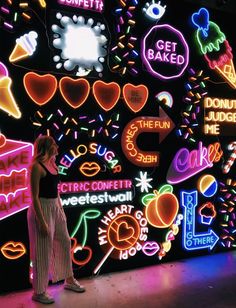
75,248
162,208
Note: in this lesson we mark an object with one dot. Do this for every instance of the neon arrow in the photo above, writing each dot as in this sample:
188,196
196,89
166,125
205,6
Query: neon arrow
191,239
162,125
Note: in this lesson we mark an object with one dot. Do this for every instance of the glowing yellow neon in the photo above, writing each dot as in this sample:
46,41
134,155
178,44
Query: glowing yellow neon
7,100
12,250
42,3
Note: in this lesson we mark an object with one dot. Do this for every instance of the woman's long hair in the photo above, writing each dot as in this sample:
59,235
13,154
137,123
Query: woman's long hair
43,148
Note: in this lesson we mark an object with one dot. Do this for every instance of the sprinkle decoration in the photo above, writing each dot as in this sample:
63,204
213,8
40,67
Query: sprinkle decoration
13,13
124,53
60,126
196,91
227,213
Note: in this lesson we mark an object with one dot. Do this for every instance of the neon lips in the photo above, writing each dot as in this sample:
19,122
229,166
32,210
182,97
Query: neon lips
89,169
13,250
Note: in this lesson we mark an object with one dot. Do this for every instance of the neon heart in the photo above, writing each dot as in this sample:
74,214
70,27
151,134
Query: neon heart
74,91
135,96
106,94
40,88
124,232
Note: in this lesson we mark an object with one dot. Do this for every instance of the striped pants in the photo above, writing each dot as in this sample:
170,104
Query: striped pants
50,254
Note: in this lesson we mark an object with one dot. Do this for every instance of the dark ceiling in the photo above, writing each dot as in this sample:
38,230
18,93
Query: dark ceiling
228,6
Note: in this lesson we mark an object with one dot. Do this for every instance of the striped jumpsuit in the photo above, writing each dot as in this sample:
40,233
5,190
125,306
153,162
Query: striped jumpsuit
50,255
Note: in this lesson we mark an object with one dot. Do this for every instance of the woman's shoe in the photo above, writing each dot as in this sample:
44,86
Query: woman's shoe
74,286
43,298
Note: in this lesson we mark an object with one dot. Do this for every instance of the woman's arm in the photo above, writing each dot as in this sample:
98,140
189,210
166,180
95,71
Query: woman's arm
35,176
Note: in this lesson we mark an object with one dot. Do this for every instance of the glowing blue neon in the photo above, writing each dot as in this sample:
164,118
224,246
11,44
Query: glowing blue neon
201,20
191,239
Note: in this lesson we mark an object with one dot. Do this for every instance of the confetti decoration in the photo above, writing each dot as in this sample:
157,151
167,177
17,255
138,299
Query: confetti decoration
227,213
124,53
14,13
196,91
60,126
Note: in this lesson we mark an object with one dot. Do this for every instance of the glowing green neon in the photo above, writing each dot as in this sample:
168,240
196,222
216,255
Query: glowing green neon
89,214
163,189
212,41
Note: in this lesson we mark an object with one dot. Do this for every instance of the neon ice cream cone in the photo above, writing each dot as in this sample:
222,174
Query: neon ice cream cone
214,46
227,71
25,46
7,101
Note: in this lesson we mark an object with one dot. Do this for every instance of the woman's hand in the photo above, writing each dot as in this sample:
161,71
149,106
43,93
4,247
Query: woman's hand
44,229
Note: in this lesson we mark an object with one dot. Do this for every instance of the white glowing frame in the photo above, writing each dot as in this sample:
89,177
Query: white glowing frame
87,54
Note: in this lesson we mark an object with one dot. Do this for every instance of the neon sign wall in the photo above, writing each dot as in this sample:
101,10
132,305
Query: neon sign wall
129,109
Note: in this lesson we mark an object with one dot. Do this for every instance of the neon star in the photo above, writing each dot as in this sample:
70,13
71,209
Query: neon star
143,182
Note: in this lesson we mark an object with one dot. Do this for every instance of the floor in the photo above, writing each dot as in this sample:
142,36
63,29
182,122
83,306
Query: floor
207,281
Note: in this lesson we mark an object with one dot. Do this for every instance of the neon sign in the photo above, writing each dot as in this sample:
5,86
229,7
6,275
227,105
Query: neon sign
165,59
25,47
186,164
74,91
97,192
207,185
161,207
81,44
230,161
135,96
214,46
139,125
95,186
97,198
207,213
90,169
7,100
191,239
78,249
94,5
166,98
93,148
154,10
143,182
15,158
40,88
219,114
12,250
106,94
121,233
82,226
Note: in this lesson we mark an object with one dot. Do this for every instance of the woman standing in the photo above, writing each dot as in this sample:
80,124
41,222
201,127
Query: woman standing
50,243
